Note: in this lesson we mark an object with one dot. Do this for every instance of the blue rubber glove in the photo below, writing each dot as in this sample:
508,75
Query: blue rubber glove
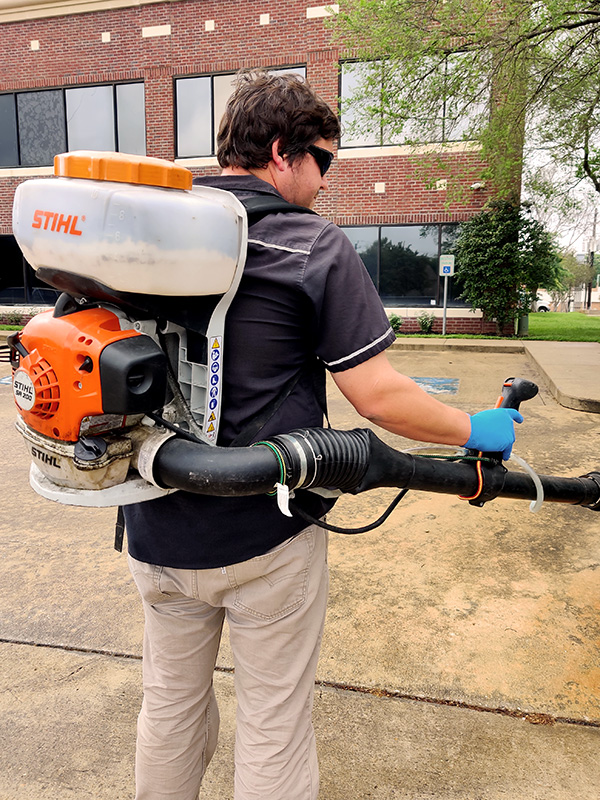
493,431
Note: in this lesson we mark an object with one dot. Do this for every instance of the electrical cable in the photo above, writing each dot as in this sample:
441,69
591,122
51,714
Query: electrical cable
365,528
335,529
175,428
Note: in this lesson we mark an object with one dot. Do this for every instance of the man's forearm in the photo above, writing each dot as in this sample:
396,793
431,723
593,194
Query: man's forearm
395,402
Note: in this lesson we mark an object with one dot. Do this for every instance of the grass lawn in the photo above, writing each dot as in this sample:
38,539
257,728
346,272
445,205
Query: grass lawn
563,327
550,325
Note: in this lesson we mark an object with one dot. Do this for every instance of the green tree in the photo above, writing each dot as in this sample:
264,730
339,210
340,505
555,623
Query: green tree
573,274
504,256
503,74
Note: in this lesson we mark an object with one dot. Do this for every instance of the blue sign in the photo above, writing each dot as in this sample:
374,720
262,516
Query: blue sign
447,265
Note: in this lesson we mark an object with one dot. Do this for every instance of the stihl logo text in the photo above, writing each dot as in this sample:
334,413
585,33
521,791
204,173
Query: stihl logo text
45,458
24,391
53,221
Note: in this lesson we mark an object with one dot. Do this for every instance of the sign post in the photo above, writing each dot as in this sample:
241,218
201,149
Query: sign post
446,271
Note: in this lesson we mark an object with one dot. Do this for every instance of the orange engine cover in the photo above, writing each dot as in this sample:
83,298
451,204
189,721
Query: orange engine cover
57,380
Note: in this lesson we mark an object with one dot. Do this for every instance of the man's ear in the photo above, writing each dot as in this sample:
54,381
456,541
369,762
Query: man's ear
279,159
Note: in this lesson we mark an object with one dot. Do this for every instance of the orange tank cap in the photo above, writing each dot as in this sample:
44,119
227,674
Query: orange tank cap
121,167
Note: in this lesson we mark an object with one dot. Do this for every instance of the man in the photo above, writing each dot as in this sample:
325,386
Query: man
305,302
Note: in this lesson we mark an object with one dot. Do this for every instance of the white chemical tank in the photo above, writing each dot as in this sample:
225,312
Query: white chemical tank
131,223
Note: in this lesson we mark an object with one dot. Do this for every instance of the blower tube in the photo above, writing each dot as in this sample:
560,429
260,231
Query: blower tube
353,462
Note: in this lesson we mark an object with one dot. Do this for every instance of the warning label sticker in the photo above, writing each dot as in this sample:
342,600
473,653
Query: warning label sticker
211,419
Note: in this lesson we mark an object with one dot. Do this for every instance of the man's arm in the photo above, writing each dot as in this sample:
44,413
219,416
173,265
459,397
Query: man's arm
396,403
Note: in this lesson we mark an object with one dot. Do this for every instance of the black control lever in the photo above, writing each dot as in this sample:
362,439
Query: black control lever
515,391
490,481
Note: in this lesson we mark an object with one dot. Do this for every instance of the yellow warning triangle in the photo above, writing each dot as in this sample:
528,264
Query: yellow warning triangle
215,344
210,428
212,417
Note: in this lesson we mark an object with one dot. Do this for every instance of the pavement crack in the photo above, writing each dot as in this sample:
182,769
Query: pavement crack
533,717
73,649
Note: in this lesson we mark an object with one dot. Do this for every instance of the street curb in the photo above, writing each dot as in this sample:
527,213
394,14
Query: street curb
471,345
569,368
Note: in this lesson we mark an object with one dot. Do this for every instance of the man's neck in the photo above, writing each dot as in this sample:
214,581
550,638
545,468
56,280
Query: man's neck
264,174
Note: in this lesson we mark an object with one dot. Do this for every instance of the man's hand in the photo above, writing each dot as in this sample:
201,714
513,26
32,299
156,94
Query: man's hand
493,431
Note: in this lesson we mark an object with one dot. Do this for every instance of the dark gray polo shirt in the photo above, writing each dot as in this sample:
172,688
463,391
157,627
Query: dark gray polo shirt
304,294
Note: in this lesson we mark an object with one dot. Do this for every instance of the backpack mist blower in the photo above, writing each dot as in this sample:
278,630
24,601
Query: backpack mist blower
119,387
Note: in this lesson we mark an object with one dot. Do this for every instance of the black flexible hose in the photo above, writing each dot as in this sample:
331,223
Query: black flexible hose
221,471
353,461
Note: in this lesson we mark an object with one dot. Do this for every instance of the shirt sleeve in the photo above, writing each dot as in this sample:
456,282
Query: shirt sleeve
352,323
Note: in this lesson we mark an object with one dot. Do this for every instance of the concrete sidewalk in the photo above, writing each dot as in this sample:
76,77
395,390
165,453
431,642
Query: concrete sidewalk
569,368
460,659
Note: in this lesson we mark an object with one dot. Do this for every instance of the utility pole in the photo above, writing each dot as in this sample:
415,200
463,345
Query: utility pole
588,288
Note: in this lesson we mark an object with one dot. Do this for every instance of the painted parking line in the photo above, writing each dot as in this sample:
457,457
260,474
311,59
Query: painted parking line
438,385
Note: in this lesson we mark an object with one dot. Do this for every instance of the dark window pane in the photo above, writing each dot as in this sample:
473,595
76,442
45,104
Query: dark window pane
366,243
9,151
450,234
194,117
409,265
90,118
11,274
131,118
41,127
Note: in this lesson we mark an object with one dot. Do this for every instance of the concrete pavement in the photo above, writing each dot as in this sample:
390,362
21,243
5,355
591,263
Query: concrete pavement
460,659
568,368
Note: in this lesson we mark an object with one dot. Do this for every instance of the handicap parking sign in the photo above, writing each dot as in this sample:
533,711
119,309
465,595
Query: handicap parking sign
446,266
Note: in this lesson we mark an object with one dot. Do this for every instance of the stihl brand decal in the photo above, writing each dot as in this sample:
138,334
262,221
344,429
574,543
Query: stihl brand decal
53,221
45,457
23,390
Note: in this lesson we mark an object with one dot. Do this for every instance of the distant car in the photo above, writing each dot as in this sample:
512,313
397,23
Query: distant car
544,301
44,296
12,296
40,296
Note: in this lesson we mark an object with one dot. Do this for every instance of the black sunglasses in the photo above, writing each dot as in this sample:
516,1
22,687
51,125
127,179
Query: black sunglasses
322,157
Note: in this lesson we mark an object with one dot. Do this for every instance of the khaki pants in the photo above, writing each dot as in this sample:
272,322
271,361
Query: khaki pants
275,607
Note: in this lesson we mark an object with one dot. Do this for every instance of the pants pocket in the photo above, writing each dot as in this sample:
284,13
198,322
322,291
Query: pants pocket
275,584
147,579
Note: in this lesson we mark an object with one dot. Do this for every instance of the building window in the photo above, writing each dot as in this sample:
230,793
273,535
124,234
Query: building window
42,127
199,105
403,261
131,118
9,151
35,126
375,111
90,118
19,283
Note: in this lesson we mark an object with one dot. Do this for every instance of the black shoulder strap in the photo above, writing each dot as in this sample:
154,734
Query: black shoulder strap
260,205
257,423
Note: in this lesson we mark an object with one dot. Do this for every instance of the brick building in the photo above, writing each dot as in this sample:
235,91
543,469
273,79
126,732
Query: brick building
152,78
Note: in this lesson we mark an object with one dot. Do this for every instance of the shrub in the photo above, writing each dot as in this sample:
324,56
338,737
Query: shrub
426,320
395,322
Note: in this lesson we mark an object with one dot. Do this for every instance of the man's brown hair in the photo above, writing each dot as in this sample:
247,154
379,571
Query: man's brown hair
265,107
